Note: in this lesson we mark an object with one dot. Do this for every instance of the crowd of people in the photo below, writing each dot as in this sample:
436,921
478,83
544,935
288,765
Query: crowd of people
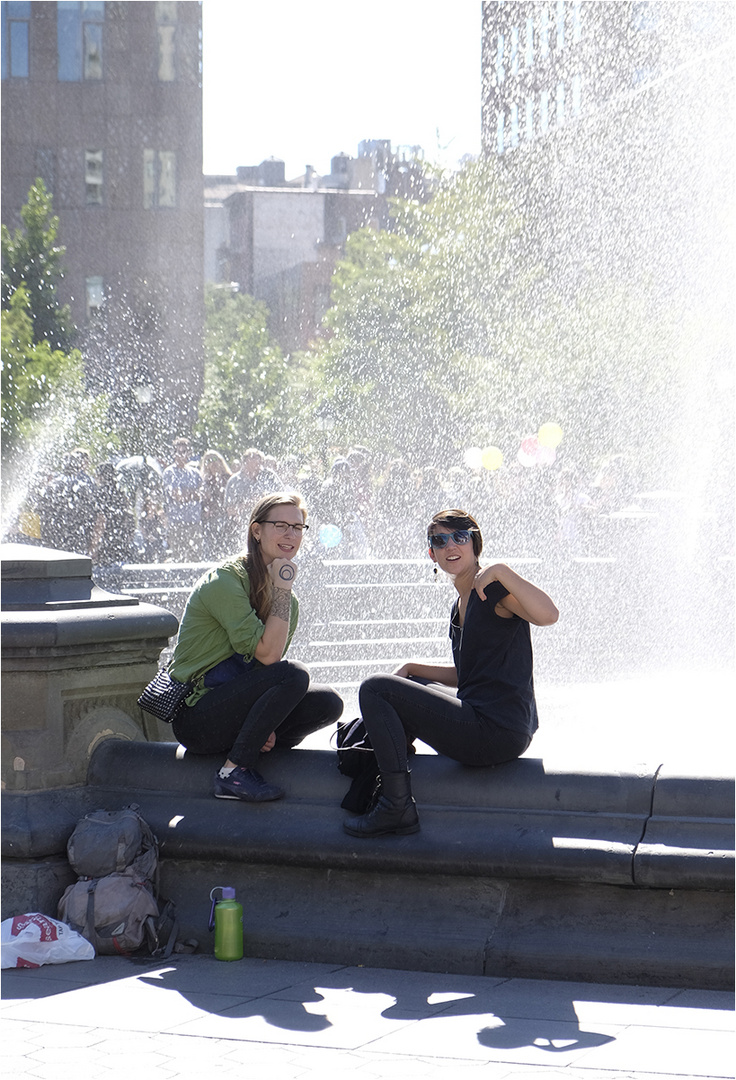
195,508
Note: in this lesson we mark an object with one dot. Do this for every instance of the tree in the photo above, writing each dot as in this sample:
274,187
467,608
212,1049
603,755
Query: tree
31,257
248,384
421,315
45,408
465,326
31,370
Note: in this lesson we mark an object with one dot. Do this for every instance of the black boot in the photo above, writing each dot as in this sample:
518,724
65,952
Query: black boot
394,812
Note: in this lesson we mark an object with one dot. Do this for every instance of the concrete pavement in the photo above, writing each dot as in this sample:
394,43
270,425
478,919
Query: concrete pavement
281,1020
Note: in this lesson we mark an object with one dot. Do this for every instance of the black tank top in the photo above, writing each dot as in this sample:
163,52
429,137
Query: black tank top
493,657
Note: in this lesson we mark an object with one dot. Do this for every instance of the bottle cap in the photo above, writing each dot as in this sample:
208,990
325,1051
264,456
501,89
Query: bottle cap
228,893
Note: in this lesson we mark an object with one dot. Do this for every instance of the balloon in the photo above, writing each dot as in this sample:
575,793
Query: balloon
330,535
546,455
528,451
473,457
532,452
550,435
491,458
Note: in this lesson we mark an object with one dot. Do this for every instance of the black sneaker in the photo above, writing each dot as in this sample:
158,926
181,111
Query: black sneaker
246,784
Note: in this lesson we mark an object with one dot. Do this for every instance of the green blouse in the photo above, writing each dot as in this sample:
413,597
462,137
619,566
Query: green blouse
217,622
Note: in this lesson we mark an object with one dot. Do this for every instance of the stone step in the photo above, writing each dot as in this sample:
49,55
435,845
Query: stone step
524,870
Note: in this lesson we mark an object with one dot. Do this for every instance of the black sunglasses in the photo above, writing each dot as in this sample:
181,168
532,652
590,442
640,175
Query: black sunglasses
441,540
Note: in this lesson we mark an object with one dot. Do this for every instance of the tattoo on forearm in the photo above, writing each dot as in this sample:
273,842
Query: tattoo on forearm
281,604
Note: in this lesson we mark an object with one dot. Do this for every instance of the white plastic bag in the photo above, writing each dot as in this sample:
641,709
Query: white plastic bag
28,941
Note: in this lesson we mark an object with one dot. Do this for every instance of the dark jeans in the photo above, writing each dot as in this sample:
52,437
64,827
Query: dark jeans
395,709
237,717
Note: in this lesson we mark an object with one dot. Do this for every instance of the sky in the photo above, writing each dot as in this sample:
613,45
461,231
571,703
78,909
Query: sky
305,81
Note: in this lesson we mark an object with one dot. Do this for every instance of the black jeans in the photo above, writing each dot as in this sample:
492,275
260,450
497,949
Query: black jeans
395,709
237,717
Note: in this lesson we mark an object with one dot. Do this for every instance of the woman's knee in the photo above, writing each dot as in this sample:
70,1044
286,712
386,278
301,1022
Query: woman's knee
376,686
295,675
329,702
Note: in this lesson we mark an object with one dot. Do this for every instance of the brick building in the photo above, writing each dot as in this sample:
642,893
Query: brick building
103,101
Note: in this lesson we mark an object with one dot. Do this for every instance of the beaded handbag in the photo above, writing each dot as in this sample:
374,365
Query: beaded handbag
164,696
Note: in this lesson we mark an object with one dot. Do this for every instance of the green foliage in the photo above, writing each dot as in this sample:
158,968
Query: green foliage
458,329
45,408
249,386
424,314
31,257
30,370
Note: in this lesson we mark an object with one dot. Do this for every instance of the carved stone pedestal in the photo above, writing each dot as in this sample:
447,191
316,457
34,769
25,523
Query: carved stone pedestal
74,661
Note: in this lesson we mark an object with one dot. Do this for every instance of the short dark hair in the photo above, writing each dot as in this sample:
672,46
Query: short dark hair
458,519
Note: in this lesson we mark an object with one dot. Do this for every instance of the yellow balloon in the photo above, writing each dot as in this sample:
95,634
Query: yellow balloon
550,435
492,458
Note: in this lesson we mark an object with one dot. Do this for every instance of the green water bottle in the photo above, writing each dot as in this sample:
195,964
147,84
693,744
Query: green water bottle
226,919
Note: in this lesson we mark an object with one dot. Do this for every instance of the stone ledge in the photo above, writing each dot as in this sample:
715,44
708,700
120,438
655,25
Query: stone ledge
517,871
516,820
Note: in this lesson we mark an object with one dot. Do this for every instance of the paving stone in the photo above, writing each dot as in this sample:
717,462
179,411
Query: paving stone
320,1022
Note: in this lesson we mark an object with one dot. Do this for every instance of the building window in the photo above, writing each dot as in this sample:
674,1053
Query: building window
529,51
500,71
499,131
159,179
560,104
95,293
577,28
93,177
544,112
544,31
576,95
166,17
79,40
529,119
514,125
16,33
560,25
166,178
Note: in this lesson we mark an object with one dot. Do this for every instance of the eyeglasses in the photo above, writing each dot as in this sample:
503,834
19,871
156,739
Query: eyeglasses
441,540
284,526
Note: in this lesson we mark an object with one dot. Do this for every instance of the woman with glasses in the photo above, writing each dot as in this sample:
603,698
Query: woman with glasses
479,710
237,625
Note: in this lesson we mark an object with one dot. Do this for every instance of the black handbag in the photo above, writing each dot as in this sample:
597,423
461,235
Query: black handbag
356,758
355,755
164,696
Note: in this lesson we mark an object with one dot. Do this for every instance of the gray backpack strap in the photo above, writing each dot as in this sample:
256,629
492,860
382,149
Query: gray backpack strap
89,931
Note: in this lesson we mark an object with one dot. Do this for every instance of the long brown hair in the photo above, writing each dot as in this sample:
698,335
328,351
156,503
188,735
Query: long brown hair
261,590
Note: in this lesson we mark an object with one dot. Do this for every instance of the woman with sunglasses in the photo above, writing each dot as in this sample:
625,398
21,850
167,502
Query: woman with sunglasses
492,716
237,625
